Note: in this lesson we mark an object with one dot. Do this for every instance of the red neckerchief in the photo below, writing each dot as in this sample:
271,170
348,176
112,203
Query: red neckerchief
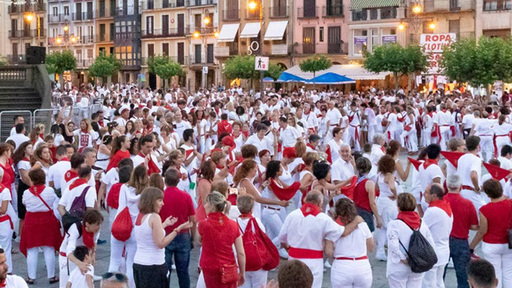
338,220
236,136
443,205
383,149
70,174
410,218
307,113
248,215
310,209
246,133
41,136
429,162
76,183
25,159
311,146
152,167
431,114
37,189
101,123
64,159
84,131
87,237
3,284
219,167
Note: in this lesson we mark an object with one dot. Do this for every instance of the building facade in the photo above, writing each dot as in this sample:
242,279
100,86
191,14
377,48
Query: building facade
493,18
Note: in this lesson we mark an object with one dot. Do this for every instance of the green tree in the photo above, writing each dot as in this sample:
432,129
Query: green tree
104,66
315,63
58,62
479,63
240,67
3,61
274,71
164,67
397,59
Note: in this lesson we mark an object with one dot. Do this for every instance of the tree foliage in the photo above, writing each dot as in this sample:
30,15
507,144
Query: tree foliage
478,63
104,66
315,63
274,71
240,67
58,62
164,67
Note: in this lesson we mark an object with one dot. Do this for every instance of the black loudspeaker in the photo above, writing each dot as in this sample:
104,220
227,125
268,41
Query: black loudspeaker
36,55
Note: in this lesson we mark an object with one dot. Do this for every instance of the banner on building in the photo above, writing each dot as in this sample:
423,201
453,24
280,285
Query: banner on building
386,39
360,40
433,45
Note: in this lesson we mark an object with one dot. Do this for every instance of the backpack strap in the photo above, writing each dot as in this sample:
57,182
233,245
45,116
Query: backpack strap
84,192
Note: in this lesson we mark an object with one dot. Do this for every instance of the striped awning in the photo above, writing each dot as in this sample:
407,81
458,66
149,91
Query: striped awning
361,4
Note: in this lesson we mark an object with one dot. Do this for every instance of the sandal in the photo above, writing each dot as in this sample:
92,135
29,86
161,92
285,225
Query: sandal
29,281
55,279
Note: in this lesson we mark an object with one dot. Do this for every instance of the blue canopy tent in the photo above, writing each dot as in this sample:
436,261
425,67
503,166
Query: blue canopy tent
330,78
287,77
268,79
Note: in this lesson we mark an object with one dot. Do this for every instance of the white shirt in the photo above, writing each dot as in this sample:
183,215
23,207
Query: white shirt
68,196
18,139
483,127
289,136
57,171
334,116
341,170
79,280
34,203
429,174
309,232
335,149
127,198
443,118
180,127
468,163
15,281
72,239
440,225
505,163
467,121
354,244
261,144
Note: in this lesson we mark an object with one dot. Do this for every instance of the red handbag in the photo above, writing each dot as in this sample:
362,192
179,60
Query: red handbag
270,254
122,225
253,246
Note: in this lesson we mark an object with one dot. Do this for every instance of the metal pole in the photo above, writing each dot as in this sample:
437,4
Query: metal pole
261,45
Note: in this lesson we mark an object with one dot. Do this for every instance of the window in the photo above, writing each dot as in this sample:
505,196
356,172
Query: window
334,40
90,53
151,50
454,27
55,11
321,34
375,37
388,13
197,22
308,40
66,10
374,14
165,49
454,5
149,25
359,15
103,32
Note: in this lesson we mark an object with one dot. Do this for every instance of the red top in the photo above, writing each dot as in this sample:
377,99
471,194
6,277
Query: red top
177,204
113,196
224,127
498,216
114,161
464,215
218,234
8,175
361,196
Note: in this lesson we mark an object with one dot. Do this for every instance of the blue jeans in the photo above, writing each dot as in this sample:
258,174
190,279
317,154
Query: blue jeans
460,254
179,247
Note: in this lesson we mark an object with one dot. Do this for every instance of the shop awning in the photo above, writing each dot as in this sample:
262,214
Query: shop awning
353,72
330,78
228,32
251,30
275,30
287,77
361,4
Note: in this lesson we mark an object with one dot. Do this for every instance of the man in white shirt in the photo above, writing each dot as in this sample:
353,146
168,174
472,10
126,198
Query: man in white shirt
57,170
261,141
483,129
124,113
18,119
378,150
444,120
311,119
467,122
305,230
505,157
469,168
343,168
179,124
6,280
430,172
439,219
354,126
334,116
19,137
289,135
76,189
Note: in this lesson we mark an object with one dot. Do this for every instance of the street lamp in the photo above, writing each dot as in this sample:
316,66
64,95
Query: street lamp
29,17
253,6
432,26
416,9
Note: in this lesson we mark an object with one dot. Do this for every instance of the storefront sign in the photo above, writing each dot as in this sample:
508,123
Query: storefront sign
436,42
360,39
388,39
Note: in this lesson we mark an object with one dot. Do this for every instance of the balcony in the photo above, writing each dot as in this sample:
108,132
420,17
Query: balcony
20,34
359,15
127,11
497,5
204,31
84,63
161,33
182,60
324,48
105,13
231,15
84,16
279,49
307,13
225,51
332,11
201,59
17,59
58,18
194,3
278,12
21,8
104,38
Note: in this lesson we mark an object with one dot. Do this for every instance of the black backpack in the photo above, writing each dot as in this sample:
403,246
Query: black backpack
420,255
76,212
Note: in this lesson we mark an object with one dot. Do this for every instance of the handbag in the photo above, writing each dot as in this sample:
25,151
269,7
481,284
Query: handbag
271,256
122,225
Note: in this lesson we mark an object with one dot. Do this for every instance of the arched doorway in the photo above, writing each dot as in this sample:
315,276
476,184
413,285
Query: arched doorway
152,81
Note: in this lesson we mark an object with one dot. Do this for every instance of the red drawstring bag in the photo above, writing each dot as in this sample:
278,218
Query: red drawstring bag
260,252
122,225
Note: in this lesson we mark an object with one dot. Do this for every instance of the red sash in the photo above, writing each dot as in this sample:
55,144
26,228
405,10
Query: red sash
152,167
284,193
300,253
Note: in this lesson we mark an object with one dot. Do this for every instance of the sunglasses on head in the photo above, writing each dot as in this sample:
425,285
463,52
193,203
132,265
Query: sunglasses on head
119,276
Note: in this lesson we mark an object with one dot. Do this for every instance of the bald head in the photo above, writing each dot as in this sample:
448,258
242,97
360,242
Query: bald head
314,197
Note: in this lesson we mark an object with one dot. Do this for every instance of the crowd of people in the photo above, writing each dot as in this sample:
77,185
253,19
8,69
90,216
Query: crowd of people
314,178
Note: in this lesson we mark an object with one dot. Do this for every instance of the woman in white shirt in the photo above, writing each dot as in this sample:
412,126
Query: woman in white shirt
41,229
21,160
149,268
42,158
129,196
399,233
386,204
501,132
351,267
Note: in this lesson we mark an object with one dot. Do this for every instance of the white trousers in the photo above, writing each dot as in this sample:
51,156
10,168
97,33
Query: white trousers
405,279
49,259
412,140
273,221
255,279
388,211
501,258
446,134
487,147
434,277
476,198
6,242
116,256
111,217
352,137
371,132
351,273
317,269
65,268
